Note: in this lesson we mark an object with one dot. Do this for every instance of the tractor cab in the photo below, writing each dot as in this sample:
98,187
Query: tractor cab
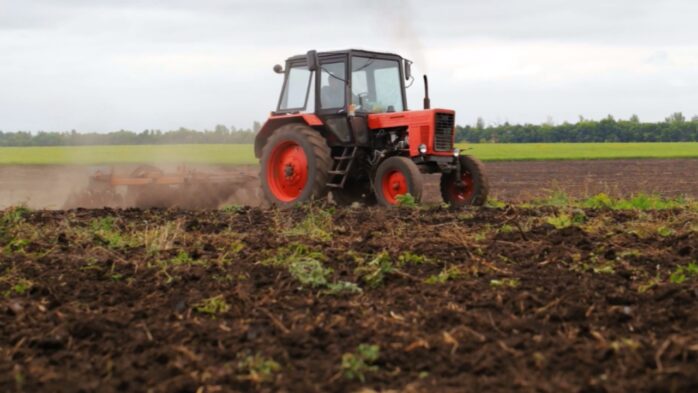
339,82
342,125
337,86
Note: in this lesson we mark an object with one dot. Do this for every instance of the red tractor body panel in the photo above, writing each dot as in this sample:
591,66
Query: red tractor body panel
420,127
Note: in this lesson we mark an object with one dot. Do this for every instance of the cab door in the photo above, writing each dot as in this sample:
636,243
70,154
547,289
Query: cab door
332,98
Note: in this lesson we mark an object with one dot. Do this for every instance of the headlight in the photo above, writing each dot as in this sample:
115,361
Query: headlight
422,149
456,152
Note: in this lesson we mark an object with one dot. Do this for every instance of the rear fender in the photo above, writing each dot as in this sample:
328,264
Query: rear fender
275,122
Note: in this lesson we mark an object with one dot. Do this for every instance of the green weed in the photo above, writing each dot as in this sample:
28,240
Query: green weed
495,203
305,265
13,216
649,284
257,368
105,229
233,208
598,201
450,273
505,283
213,305
375,271
625,343
406,200
16,245
18,286
665,231
342,288
560,221
309,272
357,364
603,269
682,273
557,198
182,259
409,258
317,225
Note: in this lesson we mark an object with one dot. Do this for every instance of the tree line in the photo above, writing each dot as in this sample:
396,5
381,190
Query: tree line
220,134
675,128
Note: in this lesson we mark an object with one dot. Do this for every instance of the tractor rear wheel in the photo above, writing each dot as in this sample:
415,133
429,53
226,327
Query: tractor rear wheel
474,188
295,166
397,176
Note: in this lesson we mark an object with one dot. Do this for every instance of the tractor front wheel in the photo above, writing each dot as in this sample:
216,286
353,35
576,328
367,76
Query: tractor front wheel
397,176
473,187
295,165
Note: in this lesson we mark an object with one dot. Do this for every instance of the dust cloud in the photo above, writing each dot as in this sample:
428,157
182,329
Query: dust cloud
56,187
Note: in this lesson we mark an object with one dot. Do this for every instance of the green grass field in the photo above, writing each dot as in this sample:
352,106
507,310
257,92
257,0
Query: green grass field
243,154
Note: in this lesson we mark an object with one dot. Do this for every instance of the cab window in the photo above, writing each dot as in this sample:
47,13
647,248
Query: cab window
295,93
376,86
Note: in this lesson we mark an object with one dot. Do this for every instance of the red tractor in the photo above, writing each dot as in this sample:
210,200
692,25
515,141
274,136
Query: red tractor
342,126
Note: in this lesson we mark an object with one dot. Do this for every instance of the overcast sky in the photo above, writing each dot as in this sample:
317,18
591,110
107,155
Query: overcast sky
94,65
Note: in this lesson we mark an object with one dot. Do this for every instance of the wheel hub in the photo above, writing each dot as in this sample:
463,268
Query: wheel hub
287,171
394,184
462,189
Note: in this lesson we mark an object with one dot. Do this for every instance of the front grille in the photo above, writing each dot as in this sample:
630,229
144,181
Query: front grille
443,132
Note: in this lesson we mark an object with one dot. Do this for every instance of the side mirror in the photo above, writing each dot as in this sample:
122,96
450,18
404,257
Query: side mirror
278,69
408,70
312,60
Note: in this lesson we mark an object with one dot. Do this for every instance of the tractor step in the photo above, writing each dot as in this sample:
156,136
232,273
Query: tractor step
341,167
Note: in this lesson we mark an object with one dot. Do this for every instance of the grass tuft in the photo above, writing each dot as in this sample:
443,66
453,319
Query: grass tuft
212,306
373,273
359,363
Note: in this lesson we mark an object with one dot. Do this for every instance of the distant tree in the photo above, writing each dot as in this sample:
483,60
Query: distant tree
256,126
635,119
221,129
480,124
676,118
694,119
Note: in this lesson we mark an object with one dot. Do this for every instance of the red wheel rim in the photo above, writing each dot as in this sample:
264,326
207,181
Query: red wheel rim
394,183
287,171
461,195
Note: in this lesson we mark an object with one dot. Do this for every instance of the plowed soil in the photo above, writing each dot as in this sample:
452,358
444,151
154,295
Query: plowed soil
489,300
50,187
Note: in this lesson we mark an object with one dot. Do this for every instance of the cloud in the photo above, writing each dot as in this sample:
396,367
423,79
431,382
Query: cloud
109,64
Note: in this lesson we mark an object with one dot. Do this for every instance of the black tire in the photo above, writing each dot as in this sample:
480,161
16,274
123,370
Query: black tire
476,189
408,169
354,191
319,162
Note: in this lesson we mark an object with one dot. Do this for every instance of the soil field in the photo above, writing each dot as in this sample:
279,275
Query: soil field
315,300
44,186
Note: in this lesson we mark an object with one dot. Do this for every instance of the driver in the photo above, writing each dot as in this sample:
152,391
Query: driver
332,95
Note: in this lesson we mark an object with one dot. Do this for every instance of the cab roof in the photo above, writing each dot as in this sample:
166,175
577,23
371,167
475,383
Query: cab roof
350,52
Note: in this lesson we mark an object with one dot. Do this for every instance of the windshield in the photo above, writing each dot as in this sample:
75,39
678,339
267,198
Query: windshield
376,85
295,94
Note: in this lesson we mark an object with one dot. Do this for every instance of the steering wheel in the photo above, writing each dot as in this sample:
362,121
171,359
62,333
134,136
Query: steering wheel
363,99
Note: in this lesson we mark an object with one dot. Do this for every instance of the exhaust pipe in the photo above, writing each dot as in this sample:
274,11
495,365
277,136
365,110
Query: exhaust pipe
427,101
